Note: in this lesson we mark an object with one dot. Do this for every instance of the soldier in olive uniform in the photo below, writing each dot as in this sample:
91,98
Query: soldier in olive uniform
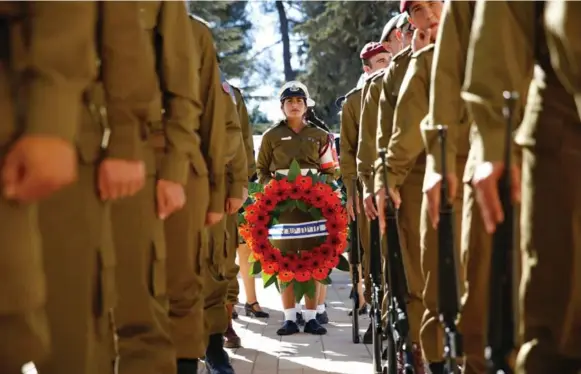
550,139
232,340
295,138
37,155
406,167
111,167
374,57
447,108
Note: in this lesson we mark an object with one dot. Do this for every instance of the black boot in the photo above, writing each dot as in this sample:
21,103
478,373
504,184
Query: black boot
217,360
187,366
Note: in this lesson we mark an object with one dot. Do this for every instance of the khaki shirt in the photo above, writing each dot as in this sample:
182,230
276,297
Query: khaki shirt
51,94
563,29
349,136
446,105
169,30
406,143
366,151
237,167
280,145
246,131
390,87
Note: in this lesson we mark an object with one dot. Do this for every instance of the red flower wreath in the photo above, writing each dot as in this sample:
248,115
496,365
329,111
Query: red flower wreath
312,264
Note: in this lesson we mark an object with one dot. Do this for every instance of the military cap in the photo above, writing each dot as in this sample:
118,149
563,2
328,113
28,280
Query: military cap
404,5
389,27
340,101
296,89
371,49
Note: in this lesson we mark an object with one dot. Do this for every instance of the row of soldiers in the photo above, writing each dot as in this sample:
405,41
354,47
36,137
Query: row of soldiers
125,159
453,70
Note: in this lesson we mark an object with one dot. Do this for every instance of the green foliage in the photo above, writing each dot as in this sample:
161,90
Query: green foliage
334,33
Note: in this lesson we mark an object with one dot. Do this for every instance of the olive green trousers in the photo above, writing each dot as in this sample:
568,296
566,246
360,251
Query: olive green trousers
141,315
79,261
184,235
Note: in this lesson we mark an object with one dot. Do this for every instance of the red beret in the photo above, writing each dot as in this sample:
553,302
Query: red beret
371,49
403,5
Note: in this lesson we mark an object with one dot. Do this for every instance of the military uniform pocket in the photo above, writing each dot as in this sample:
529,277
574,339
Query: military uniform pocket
107,287
158,267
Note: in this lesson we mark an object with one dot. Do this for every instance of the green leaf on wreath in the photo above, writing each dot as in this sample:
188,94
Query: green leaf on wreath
299,289
314,177
267,280
254,187
256,268
277,285
302,206
283,286
310,288
251,258
274,221
323,178
343,264
294,171
316,213
326,281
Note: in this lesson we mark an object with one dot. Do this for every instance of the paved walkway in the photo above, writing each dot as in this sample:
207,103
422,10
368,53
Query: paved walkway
264,352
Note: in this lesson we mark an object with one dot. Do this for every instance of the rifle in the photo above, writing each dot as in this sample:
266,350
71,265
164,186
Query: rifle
398,324
447,278
355,260
501,336
376,294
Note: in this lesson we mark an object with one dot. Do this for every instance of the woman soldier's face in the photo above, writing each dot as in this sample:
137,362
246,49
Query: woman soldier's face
294,107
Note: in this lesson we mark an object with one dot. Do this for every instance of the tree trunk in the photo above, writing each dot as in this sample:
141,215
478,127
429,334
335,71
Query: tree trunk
289,73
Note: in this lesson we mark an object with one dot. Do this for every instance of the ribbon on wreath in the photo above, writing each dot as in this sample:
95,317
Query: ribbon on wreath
285,231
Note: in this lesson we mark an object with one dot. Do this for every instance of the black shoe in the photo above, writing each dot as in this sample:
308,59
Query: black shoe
250,311
186,366
361,311
368,336
288,328
300,319
217,360
231,339
322,318
315,328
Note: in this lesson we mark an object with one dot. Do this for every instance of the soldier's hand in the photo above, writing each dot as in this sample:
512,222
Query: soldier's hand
120,178
395,197
421,39
432,188
244,194
233,204
485,182
380,201
352,208
213,218
170,197
369,208
36,166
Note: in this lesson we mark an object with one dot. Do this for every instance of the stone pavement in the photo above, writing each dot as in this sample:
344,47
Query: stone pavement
264,352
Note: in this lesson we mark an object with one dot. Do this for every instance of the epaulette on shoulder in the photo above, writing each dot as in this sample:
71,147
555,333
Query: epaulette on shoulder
426,49
201,20
274,126
376,74
402,53
235,88
355,90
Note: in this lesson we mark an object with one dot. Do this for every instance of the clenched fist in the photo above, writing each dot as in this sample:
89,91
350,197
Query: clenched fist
120,178
36,166
170,198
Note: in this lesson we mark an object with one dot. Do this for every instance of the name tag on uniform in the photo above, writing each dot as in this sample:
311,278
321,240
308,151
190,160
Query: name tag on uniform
286,138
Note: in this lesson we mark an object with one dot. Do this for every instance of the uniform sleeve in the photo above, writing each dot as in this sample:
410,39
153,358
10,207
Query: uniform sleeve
385,111
233,129
366,151
563,28
57,80
446,105
129,77
494,67
212,128
264,161
406,143
348,141
237,171
326,160
180,85
246,134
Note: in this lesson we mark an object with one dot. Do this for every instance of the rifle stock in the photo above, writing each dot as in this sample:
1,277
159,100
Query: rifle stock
376,294
397,288
355,260
501,339
448,304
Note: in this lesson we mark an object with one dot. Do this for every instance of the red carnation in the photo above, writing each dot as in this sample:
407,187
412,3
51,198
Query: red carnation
250,213
262,218
267,204
269,267
271,186
272,256
259,233
332,262
295,192
303,276
258,196
304,182
325,251
286,276
320,274
285,264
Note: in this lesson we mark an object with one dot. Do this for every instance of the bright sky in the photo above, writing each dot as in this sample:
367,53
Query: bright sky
265,34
